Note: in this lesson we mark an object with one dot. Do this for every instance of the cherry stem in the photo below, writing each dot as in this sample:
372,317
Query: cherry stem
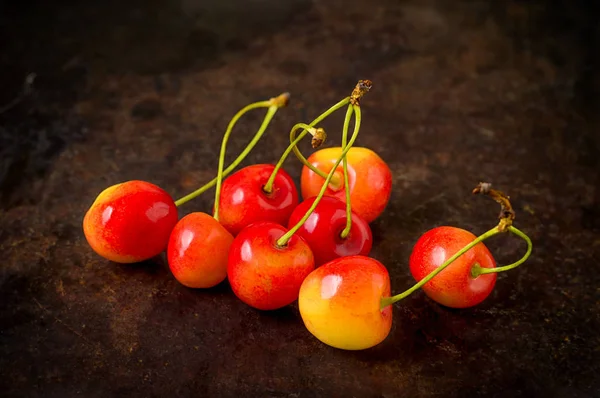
282,242
319,137
346,230
319,119
479,270
507,215
273,104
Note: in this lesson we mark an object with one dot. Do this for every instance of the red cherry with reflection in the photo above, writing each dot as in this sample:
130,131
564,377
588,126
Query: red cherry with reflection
264,275
244,201
198,251
454,286
130,222
322,230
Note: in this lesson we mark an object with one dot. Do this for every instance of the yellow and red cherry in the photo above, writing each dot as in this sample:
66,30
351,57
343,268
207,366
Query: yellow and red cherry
369,177
264,275
130,222
323,230
198,250
244,200
340,303
454,286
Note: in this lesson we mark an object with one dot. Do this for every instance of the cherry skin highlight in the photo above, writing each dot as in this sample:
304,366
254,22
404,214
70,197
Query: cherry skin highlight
454,286
243,200
322,230
198,251
130,222
369,177
340,303
263,275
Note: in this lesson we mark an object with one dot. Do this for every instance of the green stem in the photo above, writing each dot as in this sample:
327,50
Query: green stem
346,230
270,113
385,301
268,188
282,242
479,270
314,122
272,109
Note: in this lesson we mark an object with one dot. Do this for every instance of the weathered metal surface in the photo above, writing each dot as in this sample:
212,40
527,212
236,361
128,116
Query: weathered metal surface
463,92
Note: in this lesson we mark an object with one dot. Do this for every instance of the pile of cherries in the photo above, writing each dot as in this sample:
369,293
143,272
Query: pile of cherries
275,249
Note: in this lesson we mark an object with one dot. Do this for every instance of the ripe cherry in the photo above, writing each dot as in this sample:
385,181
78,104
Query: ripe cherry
369,177
245,201
454,286
340,303
323,229
198,250
130,222
261,273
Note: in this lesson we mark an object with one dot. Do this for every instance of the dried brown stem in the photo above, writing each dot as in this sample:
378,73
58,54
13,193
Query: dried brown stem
507,214
361,88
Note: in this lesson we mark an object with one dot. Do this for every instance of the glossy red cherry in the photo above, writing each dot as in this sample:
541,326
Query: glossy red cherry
243,200
263,275
454,286
322,230
198,251
130,222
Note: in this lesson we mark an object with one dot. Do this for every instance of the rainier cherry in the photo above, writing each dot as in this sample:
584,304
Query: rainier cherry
455,286
323,230
340,303
130,222
369,177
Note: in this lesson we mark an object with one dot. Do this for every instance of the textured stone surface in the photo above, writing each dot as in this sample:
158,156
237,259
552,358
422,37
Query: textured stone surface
464,91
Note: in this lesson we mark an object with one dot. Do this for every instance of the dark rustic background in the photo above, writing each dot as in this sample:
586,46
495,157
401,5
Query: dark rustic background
464,91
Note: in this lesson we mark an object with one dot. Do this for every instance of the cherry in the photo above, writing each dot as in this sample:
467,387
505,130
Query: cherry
323,230
369,179
339,303
455,286
130,222
198,250
245,201
264,274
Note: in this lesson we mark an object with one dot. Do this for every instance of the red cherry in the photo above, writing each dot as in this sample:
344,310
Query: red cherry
454,286
130,222
324,226
243,200
263,275
198,251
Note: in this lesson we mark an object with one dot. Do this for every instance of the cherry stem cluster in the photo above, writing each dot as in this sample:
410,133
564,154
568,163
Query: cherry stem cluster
507,215
319,136
282,242
273,106
353,102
